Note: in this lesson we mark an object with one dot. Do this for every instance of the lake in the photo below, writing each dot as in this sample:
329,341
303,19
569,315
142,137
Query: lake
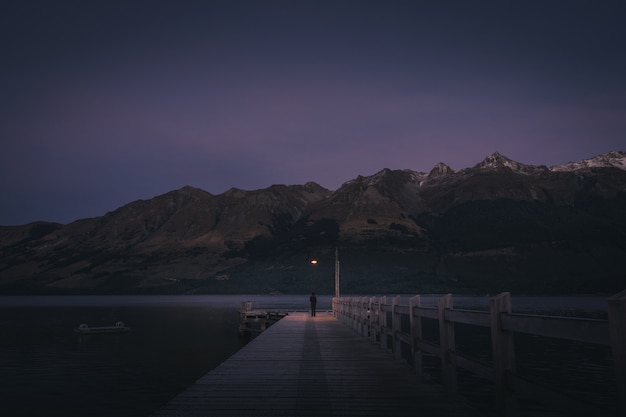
49,370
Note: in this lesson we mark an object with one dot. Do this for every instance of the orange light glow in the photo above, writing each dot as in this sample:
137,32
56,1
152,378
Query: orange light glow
314,261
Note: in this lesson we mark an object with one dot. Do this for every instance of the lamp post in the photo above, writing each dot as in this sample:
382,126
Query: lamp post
314,262
336,273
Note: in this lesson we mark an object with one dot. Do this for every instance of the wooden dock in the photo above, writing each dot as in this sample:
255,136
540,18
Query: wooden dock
252,322
313,366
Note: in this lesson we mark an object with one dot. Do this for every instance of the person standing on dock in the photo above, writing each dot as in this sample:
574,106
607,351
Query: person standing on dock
313,300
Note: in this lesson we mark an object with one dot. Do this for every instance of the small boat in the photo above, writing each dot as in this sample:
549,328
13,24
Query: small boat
118,328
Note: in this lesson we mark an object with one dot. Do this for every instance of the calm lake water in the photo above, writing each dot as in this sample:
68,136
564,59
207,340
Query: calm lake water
49,370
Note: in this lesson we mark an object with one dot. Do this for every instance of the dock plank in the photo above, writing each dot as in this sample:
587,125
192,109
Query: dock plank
312,366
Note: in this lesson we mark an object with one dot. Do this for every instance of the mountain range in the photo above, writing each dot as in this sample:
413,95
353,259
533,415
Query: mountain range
498,226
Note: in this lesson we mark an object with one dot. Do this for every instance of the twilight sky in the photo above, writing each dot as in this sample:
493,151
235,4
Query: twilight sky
106,102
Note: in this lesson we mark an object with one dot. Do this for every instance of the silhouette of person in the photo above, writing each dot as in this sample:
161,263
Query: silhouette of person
313,300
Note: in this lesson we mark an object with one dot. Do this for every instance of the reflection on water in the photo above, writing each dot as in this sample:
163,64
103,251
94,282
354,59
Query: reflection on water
49,370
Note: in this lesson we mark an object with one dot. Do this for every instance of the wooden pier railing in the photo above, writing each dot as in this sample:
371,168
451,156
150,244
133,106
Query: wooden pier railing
383,322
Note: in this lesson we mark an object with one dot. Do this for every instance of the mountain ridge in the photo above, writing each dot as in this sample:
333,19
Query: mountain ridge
482,228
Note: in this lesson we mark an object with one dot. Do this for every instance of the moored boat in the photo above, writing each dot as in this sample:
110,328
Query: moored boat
118,328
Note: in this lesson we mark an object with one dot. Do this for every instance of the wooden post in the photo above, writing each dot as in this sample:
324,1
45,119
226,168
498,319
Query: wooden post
364,318
357,314
503,354
348,308
617,329
446,341
382,322
369,317
396,327
373,321
416,334
353,312
340,308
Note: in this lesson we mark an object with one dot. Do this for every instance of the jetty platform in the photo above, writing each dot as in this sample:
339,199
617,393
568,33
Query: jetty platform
313,366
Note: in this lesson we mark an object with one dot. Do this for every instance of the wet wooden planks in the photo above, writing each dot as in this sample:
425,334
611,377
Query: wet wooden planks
305,366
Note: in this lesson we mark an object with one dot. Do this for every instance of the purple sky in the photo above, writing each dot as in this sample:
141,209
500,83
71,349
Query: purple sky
106,102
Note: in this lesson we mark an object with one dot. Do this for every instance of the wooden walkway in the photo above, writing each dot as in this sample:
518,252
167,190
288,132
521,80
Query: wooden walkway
305,366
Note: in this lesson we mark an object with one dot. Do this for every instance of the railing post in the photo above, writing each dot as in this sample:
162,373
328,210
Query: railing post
359,320
348,315
341,311
416,334
349,309
382,322
373,321
617,329
396,327
369,317
503,354
446,341
364,318
357,314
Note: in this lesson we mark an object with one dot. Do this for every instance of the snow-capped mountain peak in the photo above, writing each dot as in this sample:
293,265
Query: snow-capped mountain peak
613,159
496,161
